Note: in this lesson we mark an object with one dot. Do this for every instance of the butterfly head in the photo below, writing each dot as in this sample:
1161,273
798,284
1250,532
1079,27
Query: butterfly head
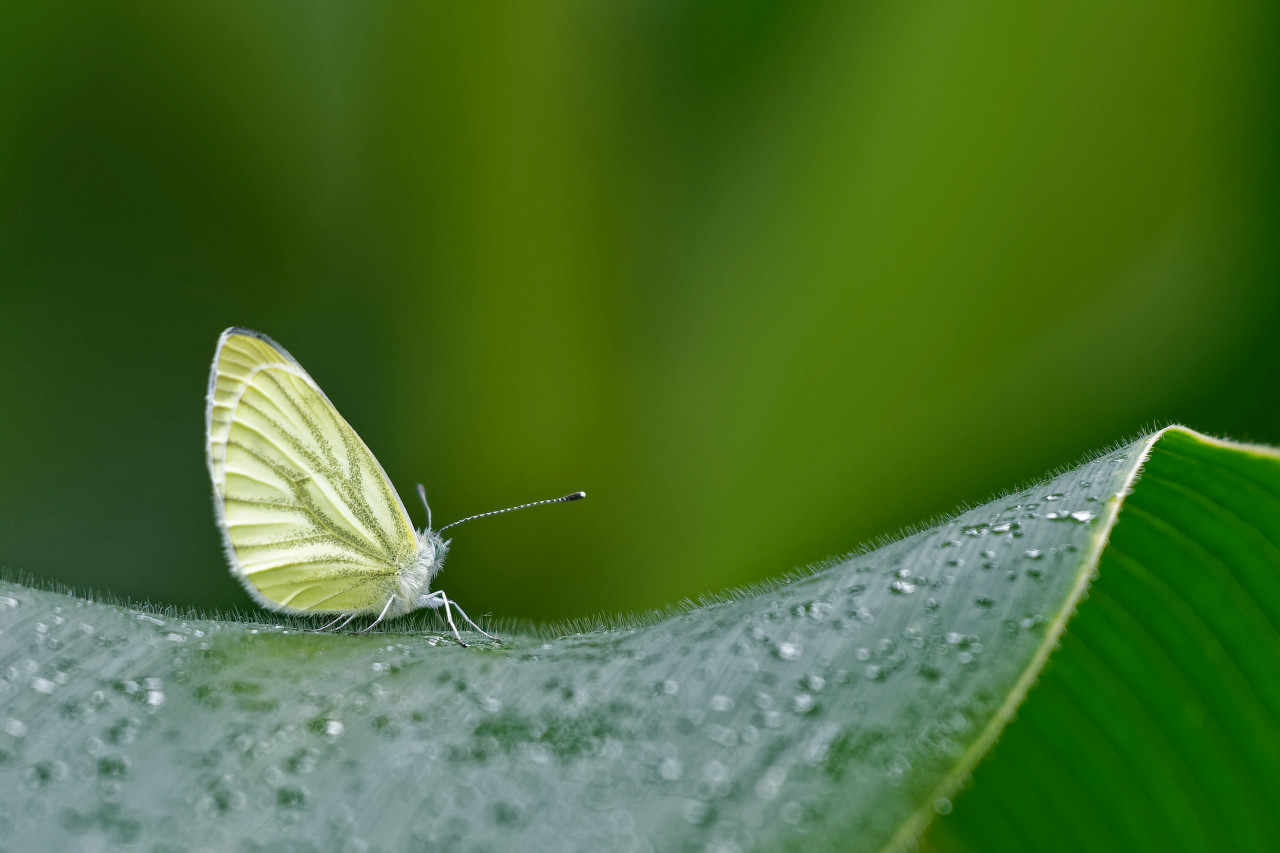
432,548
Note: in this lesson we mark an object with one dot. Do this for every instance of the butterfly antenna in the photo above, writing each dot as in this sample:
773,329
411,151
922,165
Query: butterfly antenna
576,496
422,493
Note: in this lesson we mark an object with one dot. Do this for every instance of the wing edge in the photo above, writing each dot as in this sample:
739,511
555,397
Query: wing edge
219,501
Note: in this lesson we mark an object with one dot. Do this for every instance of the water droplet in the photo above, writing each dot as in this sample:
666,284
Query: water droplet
789,651
671,769
9,601
721,703
722,735
942,805
334,728
671,688
696,811
1084,516
771,783
820,609
1034,553
15,728
113,766
42,685
291,796
815,682
902,588
984,601
46,772
792,812
803,703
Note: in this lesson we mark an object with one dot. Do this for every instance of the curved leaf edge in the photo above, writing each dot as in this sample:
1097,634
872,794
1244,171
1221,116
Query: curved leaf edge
913,829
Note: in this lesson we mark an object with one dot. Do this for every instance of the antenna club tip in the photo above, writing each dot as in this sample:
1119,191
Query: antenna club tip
576,496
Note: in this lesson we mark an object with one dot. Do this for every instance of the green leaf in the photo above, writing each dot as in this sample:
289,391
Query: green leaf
839,710
1157,724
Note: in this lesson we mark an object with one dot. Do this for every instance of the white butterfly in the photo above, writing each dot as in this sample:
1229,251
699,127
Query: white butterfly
309,520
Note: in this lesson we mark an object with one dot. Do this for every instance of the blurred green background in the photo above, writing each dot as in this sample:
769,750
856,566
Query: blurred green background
766,279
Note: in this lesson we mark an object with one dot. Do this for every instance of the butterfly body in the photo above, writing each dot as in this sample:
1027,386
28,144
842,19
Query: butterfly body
415,578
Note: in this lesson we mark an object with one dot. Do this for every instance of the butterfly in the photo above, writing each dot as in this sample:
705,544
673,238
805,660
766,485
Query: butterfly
309,520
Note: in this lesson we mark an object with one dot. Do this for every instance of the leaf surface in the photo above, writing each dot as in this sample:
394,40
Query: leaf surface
841,710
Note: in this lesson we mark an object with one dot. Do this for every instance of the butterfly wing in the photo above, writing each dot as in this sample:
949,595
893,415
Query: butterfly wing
309,518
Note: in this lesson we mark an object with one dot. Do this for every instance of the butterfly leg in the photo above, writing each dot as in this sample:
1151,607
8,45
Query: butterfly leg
381,616
448,614
438,599
334,624
464,615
